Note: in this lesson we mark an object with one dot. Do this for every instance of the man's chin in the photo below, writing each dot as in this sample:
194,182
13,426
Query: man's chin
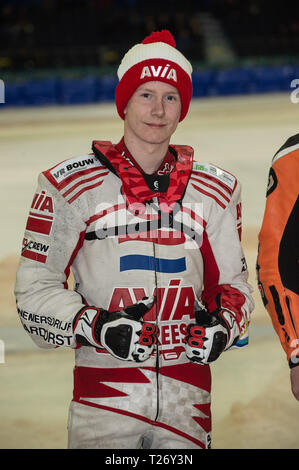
156,141
156,138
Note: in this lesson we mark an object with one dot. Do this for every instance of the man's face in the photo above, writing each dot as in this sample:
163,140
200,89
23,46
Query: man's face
153,112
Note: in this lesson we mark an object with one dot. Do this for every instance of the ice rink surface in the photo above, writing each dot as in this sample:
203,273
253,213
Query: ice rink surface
252,404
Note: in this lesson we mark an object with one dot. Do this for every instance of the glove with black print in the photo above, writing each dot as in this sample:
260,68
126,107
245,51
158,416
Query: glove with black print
121,333
211,334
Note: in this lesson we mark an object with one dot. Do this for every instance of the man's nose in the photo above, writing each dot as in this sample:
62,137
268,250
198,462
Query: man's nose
158,108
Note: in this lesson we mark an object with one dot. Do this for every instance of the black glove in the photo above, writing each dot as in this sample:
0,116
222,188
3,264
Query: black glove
121,333
210,335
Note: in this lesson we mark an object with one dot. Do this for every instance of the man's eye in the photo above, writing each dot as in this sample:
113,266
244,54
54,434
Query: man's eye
145,95
171,98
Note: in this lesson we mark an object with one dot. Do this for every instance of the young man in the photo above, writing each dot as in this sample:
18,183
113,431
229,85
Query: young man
277,265
149,236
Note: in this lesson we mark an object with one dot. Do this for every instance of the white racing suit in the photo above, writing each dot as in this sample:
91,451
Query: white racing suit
124,239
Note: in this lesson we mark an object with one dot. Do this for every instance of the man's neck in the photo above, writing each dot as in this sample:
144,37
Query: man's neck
148,156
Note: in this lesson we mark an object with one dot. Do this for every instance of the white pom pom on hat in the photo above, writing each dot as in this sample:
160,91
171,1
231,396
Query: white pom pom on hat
156,58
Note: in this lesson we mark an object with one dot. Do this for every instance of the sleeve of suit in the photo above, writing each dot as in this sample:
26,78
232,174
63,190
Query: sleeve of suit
52,237
226,275
278,256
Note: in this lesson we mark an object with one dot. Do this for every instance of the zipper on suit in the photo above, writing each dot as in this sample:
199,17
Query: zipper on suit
157,344
156,201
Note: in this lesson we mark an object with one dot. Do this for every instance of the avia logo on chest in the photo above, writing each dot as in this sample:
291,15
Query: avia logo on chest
159,71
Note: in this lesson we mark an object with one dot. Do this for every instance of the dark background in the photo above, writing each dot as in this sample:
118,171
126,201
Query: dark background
235,46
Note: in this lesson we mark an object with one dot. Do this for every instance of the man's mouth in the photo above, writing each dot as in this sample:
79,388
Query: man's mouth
155,126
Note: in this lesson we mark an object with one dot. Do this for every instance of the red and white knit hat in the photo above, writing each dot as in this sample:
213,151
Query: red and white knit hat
156,58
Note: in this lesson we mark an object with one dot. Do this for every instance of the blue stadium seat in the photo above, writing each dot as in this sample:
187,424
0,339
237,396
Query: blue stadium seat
232,82
107,85
14,94
202,82
77,91
270,79
41,92
290,73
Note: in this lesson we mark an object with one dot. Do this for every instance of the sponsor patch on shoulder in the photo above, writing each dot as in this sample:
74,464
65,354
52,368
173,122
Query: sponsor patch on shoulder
41,214
69,167
224,176
34,250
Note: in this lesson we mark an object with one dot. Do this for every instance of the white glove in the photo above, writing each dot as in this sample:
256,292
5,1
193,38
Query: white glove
210,335
121,333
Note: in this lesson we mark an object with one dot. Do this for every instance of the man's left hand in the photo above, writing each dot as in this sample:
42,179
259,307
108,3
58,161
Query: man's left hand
210,335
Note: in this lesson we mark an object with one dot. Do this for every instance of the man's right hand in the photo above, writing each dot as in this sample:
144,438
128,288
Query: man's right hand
122,333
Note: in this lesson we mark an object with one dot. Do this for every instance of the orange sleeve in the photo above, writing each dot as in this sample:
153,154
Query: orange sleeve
278,257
